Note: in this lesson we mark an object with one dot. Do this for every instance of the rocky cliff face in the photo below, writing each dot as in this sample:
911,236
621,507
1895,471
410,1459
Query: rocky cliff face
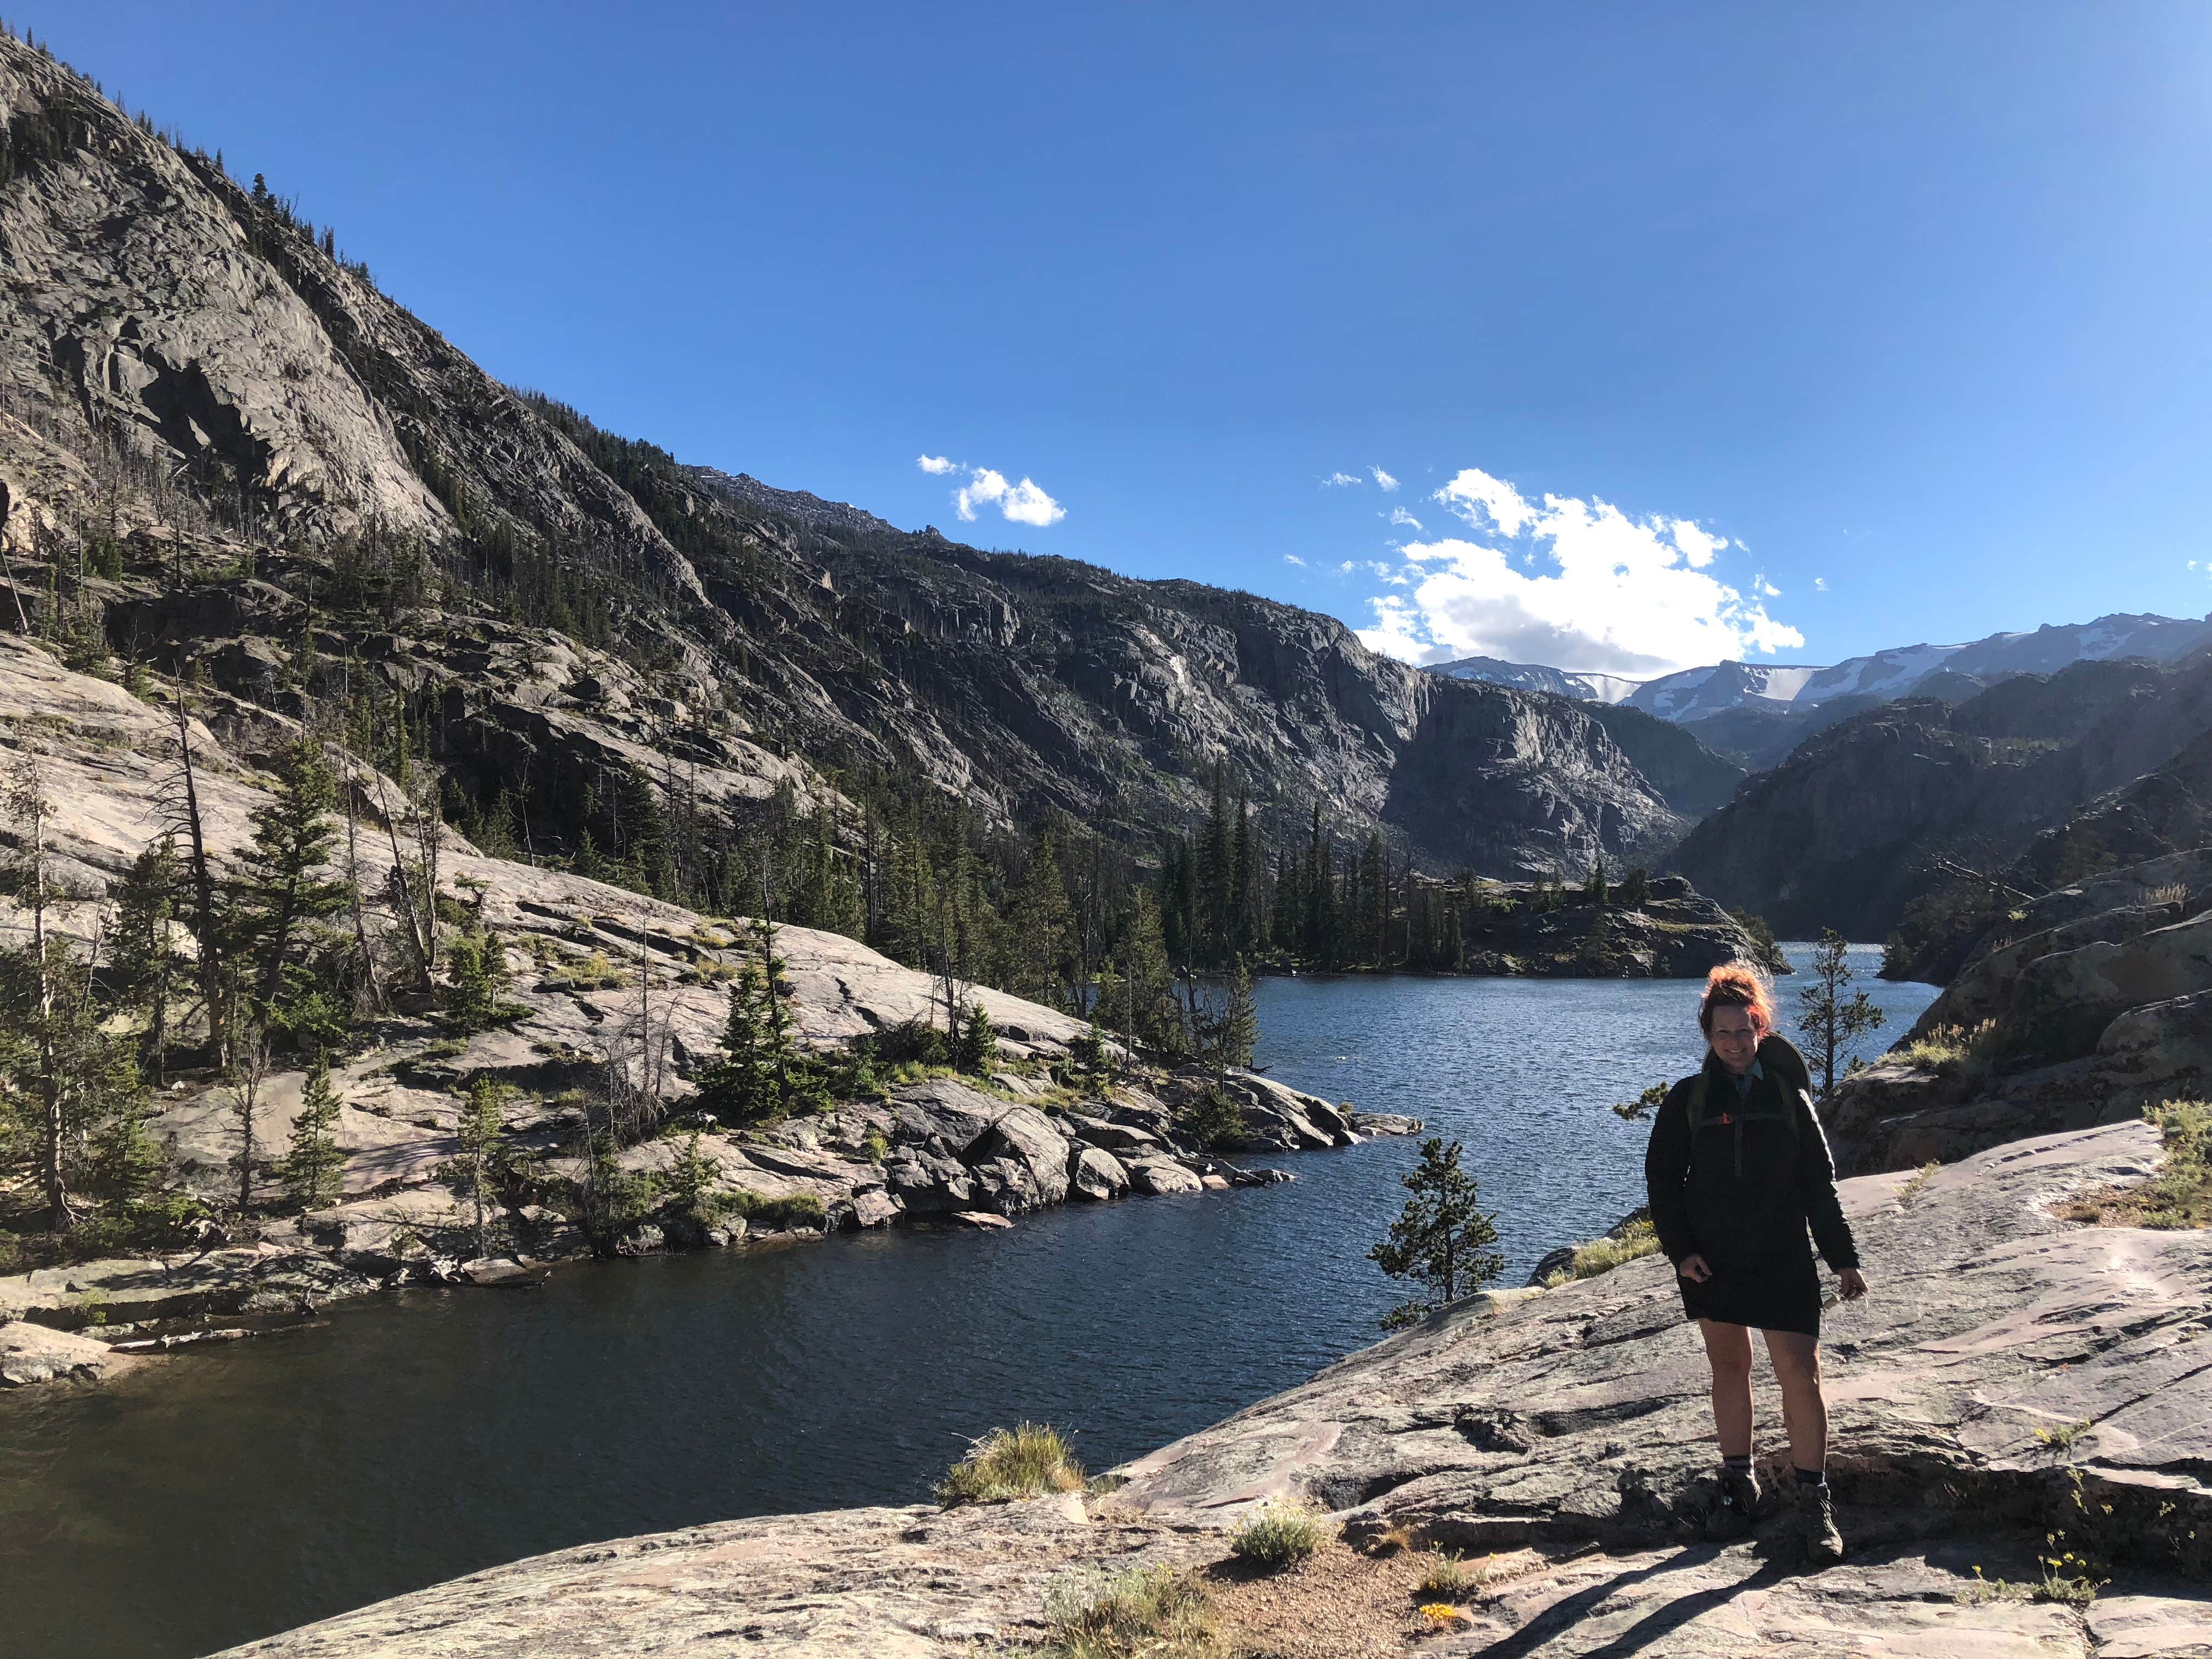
239,425
1562,1440
1860,820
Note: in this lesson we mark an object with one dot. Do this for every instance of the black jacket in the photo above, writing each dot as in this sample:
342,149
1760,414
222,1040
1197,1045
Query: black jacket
1741,1191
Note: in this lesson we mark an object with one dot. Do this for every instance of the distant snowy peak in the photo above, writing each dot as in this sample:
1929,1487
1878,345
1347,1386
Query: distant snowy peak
1697,692
1532,676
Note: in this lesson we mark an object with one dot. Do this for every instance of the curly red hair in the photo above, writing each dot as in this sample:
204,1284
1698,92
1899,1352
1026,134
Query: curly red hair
1737,985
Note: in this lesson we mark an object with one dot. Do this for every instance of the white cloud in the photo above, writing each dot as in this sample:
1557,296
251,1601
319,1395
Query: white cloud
1338,480
1383,479
1023,502
936,464
1613,594
1399,515
1819,583
1292,558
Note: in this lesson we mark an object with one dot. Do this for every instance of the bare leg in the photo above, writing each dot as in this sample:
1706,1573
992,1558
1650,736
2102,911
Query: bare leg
1797,1359
1728,1350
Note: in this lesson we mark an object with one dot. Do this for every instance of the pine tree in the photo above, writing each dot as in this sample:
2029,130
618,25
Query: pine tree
312,1166
1148,1002
1442,1240
979,1041
778,1053
150,969
1827,1019
1636,889
281,888
1039,924
127,1162
1211,878
482,1138
1244,861
1230,1028
476,963
736,1087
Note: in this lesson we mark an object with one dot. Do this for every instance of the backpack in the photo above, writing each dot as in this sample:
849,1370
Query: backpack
1735,1117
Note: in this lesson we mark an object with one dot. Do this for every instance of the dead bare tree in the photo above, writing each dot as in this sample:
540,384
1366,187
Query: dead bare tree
181,805
251,1071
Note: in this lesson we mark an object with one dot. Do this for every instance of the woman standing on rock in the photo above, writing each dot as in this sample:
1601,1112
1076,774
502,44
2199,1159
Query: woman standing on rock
1737,1168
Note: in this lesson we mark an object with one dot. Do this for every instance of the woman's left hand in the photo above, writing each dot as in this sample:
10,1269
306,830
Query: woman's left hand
1852,1283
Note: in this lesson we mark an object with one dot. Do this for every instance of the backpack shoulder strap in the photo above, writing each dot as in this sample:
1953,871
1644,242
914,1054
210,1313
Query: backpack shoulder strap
1695,1103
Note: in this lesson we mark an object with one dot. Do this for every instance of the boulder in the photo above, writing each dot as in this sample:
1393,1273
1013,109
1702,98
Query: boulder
1023,1159
874,1208
926,1182
35,1353
1160,1175
1093,1173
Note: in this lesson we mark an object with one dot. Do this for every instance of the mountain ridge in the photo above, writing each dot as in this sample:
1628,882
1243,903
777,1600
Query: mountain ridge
1694,694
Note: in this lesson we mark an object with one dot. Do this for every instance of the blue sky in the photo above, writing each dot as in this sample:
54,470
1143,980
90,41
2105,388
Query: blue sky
1829,328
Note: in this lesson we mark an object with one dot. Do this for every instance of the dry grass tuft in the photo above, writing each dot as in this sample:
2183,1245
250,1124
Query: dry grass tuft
1029,1460
1602,1255
1954,1050
1150,1611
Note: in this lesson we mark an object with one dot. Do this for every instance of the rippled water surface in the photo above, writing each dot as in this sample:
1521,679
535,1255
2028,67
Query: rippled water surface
219,1497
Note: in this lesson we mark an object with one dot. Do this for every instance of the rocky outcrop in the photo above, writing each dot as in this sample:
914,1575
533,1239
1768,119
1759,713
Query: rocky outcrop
2080,1007
1674,932
1854,825
584,958
2006,1361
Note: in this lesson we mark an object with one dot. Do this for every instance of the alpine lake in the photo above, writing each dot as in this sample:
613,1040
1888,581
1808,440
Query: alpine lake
226,1494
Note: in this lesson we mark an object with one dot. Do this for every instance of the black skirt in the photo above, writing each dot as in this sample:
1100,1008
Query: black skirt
1773,1295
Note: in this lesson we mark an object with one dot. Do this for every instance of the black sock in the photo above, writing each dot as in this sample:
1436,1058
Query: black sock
1811,1477
1737,1465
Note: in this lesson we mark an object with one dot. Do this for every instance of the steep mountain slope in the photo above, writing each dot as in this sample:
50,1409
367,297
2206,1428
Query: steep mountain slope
1862,819
1694,778
258,445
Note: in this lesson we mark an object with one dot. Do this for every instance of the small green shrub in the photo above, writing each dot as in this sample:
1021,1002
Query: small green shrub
2063,1437
1280,1533
1027,1460
1150,1611
874,1147
1452,1579
1212,1122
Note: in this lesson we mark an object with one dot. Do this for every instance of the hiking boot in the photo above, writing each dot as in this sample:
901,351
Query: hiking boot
1816,1511
1732,1511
